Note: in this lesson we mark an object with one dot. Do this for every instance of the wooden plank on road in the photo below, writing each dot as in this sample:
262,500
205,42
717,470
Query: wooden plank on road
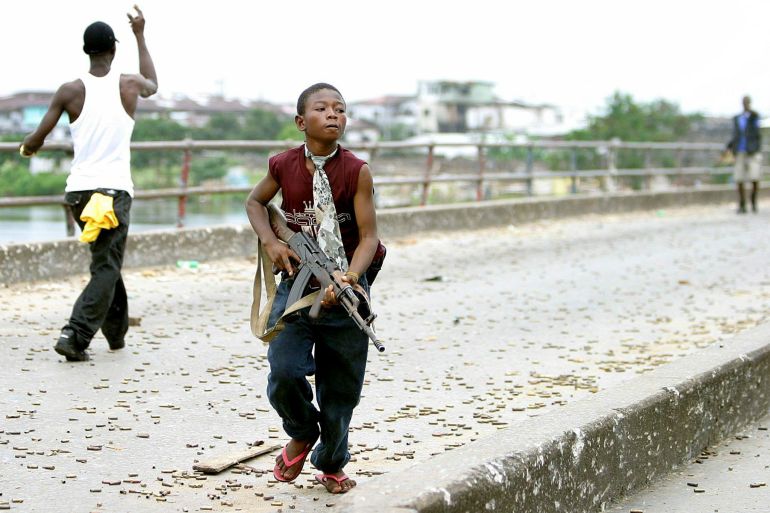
217,464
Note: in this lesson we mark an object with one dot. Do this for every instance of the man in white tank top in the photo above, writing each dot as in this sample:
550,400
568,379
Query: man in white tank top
101,106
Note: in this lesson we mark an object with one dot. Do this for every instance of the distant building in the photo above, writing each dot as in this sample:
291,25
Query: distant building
395,116
454,107
443,107
196,112
438,107
21,112
358,131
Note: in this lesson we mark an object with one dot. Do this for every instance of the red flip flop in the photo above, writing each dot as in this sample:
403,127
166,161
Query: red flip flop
321,478
290,463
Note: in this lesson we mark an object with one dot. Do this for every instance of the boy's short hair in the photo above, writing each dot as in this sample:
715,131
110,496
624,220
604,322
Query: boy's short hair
302,100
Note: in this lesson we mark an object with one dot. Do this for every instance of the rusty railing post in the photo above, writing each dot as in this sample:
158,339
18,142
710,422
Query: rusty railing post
480,182
426,176
573,167
612,166
648,169
69,220
184,180
530,169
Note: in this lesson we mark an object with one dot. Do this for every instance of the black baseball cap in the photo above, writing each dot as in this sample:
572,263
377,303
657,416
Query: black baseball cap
98,38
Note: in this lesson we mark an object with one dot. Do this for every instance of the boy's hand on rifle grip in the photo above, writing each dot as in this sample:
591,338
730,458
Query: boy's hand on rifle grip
281,255
360,290
330,299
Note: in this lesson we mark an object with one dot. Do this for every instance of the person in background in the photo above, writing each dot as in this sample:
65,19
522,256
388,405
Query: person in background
746,145
100,106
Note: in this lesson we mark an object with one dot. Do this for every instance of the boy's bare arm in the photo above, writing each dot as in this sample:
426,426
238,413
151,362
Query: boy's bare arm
366,217
280,254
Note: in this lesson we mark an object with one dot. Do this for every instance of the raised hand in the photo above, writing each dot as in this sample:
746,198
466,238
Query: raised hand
137,22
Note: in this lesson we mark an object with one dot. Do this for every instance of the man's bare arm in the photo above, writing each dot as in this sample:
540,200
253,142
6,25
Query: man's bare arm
57,107
147,79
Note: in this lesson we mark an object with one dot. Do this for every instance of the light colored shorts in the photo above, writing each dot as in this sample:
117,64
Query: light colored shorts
748,168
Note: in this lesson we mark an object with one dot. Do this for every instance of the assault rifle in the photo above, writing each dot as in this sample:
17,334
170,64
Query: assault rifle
314,262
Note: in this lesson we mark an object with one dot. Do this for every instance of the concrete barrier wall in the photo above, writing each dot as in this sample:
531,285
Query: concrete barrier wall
579,457
404,221
50,260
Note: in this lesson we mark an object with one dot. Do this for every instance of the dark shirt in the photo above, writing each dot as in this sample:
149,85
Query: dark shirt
746,135
289,171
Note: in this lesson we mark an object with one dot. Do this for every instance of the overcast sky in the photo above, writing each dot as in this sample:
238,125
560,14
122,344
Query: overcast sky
704,55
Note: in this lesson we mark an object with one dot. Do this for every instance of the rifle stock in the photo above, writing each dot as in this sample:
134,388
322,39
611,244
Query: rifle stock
314,260
278,223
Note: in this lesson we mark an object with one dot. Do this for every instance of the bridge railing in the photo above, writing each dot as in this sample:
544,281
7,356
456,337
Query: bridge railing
523,163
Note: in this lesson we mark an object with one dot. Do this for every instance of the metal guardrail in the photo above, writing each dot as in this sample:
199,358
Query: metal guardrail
607,175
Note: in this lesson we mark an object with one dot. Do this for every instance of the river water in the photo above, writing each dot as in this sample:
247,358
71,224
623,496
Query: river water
45,223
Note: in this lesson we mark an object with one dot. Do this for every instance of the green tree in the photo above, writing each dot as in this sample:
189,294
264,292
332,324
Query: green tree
627,120
160,129
261,125
211,167
16,180
220,127
509,153
255,125
289,132
11,156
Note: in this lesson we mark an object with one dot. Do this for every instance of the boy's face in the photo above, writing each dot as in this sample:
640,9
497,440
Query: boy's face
324,119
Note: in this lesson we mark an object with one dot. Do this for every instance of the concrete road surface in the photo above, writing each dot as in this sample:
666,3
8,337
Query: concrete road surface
483,329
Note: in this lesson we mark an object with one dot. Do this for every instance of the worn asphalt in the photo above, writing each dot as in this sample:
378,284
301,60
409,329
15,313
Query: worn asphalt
482,328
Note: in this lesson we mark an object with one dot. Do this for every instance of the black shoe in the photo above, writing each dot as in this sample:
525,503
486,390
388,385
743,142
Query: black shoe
67,347
117,344
754,208
741,210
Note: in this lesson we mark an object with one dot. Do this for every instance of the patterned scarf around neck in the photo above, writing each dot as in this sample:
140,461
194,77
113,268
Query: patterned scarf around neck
329,236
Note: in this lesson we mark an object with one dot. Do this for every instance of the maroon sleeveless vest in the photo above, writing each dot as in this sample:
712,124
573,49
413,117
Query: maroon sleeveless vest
289,171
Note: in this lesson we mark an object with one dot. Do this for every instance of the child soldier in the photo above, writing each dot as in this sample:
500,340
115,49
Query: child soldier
328,192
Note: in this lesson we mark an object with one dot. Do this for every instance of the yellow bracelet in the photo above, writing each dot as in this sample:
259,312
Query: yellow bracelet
355,276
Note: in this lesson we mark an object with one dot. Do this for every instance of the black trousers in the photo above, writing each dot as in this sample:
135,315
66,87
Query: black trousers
103,304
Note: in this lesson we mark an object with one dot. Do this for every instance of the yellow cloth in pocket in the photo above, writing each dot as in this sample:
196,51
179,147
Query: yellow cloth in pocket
98,215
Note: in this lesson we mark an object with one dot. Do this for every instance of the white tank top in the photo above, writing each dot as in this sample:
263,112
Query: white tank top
101,137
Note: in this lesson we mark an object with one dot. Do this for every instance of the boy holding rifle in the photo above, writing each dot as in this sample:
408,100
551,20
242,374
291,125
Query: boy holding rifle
328,193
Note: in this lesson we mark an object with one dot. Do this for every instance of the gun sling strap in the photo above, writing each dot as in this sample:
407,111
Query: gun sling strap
259,320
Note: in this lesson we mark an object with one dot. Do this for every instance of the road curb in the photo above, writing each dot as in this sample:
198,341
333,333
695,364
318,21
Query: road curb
593,451
63,258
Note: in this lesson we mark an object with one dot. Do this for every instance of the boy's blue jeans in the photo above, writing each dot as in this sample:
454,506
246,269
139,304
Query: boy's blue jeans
334,349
